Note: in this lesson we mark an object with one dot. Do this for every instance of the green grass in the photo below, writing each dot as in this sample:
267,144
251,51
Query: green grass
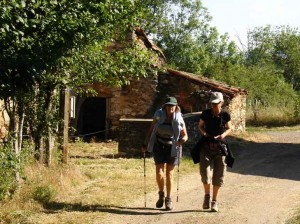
267,128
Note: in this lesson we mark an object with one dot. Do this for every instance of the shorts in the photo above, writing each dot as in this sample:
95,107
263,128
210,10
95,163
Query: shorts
162,154
212,166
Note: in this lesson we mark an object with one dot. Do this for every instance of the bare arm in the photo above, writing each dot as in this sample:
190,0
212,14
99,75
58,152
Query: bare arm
183,136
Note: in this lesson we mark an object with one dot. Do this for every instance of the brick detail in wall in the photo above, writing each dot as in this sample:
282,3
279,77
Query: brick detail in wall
132,133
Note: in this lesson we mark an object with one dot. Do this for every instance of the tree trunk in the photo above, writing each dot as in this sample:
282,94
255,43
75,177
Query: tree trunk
10,106
49,147
20,137
39,148
66,126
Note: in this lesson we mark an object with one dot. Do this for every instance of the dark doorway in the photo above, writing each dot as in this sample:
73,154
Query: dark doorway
92,117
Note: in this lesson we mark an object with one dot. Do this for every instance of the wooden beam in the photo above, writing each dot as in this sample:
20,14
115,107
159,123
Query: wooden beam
66,125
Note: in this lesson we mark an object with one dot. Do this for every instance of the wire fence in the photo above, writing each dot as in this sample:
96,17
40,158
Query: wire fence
92,133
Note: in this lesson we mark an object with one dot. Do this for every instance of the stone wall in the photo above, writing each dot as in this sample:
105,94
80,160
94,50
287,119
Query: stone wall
191,121
132,133
237,109
193,97
131,101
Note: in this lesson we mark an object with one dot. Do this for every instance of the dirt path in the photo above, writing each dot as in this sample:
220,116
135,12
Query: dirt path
262,187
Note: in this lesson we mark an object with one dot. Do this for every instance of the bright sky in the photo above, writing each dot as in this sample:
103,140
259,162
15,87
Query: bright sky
237,16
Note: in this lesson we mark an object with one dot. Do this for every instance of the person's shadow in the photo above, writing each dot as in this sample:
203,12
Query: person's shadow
54,207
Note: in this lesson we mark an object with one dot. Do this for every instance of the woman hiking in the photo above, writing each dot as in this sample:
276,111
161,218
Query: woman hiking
165,137
214,126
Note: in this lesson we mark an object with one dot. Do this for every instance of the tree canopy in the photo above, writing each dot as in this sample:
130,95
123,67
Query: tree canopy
48,45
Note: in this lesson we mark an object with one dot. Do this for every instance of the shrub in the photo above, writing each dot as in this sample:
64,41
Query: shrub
9,167
44,194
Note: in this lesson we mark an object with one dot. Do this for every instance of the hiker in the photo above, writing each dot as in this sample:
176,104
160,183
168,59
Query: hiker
214,126
165,137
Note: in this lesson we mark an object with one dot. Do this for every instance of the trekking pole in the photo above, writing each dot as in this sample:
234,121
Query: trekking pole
178,175
145,179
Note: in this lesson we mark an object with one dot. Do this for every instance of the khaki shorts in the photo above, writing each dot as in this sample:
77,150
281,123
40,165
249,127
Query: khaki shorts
212,165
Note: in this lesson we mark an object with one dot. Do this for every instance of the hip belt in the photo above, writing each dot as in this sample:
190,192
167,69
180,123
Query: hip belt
165,141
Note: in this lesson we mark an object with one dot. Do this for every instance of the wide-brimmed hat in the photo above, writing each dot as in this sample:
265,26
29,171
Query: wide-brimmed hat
216,97
171,101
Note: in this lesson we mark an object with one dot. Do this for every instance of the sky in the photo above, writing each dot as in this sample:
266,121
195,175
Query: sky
236,17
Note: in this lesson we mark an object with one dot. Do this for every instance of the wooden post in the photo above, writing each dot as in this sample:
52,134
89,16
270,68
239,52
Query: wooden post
66,126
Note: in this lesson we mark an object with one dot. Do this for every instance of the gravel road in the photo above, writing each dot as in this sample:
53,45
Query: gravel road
262,187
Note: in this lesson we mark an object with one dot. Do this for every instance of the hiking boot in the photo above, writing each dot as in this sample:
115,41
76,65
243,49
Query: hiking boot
168,203
206,202
214,206
161,199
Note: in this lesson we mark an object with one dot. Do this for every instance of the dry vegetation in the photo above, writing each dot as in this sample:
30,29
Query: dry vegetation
96,180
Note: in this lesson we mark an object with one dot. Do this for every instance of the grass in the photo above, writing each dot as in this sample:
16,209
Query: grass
272,117
252,129
97,178
294,219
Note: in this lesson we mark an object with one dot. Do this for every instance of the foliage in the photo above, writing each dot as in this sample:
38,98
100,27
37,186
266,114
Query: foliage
181,29
264,84
38,37
9,168
47,46
44,194
112,68
279,46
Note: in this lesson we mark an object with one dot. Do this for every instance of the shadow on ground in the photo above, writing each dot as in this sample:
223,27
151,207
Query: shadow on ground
277,160
54,207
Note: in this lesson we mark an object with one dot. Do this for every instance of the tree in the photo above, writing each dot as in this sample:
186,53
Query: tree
181,29
41,44
279,46
287,54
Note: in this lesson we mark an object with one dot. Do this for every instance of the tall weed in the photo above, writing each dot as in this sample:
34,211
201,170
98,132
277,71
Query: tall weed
272,117
9,167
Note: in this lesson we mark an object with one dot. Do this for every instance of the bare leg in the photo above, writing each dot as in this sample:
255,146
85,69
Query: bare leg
206,189
169,179
215,192
206,202
160,176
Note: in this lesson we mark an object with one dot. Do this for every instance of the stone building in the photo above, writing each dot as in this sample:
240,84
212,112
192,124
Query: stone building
193,93
118,112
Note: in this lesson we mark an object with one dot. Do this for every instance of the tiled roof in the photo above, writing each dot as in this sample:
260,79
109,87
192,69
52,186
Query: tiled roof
214,85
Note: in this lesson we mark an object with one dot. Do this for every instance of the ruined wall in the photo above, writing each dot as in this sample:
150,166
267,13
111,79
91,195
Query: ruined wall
132,101
237,109
193,97
143,97
132,133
